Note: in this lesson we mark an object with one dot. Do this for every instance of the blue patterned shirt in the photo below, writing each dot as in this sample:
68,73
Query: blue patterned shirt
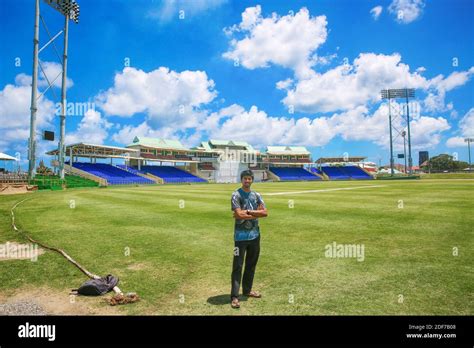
246,229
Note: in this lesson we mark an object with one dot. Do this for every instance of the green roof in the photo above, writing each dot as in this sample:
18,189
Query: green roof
158,143
230,143
206,146
287,149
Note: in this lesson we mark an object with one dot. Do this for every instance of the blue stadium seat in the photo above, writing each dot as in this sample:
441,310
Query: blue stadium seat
316,171
293,173
129,169
113,175
357,173
335,173
346,173
172,174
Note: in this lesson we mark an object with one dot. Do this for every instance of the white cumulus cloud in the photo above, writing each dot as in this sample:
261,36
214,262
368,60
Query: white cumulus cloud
15,103
466,130
358,124
93,128
406,11
347,86
165,96
48,73
289,41
376,11
439,85
126,134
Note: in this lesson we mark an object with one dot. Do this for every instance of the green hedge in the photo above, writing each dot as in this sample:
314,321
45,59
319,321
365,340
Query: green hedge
55,183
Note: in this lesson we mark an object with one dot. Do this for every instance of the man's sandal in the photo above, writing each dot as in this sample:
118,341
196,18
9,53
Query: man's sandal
255,294
235,303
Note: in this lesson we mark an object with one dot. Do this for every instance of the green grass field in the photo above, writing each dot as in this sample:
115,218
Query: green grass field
180,257
448,176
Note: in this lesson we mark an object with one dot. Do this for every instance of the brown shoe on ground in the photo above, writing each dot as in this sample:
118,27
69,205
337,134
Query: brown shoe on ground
255,294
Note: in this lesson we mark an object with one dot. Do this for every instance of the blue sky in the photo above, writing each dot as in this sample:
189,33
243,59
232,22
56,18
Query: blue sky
268,72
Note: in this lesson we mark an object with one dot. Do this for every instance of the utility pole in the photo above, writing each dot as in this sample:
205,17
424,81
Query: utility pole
33,108
404,150
70,10
410,160
63,100
391,138
468,141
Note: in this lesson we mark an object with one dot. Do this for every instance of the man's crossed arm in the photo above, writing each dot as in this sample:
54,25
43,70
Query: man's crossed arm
242,214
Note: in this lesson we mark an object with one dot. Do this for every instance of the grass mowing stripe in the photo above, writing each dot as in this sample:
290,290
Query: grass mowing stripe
322,190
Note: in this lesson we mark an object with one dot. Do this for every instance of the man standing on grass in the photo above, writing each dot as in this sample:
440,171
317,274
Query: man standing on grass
248,206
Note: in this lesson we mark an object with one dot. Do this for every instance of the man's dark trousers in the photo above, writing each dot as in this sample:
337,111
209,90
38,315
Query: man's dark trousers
248,250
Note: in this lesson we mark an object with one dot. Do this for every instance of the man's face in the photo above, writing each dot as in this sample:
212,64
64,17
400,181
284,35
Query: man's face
247,181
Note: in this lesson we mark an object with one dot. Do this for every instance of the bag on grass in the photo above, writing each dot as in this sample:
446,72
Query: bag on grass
97,287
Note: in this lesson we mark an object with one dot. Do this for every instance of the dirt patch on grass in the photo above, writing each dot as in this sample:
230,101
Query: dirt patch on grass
14,189
55,302
138,266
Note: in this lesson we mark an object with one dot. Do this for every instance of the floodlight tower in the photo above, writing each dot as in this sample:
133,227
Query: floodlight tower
390,94
33,108
404,134
70,10
469,141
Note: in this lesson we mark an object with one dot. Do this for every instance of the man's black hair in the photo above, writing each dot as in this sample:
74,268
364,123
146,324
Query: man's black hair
247,172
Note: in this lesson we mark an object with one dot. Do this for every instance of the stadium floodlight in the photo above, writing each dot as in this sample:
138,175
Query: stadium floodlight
398,93
469,141
70,10
405,93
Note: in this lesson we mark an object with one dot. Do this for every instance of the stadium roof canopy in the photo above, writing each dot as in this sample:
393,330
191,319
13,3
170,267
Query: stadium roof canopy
98,151
339,159
5,157
213,145
158,143
287,150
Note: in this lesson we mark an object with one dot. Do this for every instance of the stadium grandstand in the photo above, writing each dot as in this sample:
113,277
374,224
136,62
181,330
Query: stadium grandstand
163,161
168,161
343,168
83,163
223,160
114,175
135,158
287,163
